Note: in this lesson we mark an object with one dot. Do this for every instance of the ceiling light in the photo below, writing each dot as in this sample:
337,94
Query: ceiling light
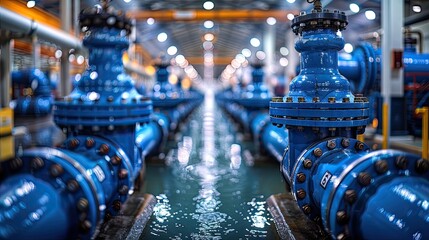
271,21
208,5
58,53
31,4
284,51
348,48
208,45
260,55
180,59
209,36
208,24
162,37
246,52
283,62
150,21
290,1
240,58
290,16
255,42
417,8
127,1
354,7
172,50
370,15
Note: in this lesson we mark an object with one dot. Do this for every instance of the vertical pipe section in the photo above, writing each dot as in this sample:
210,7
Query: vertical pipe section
65,85
6,59
391,79
425,123
36,52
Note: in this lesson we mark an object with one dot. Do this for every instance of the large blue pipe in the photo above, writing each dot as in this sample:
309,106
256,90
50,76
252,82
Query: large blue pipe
335,179
66,192
34,97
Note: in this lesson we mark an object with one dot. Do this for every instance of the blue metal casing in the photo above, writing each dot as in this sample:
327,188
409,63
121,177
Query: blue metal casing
336,181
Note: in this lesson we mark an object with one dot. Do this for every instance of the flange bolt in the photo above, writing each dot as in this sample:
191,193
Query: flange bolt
82,204
307,163
306,208
300,177
72,185
342,217
317,152
364,179
381,166
422,165
350,196
401,162
300,194
56,170
345,142
89,143
37,163
359,146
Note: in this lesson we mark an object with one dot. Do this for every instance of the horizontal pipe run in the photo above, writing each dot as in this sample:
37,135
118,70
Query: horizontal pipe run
15,22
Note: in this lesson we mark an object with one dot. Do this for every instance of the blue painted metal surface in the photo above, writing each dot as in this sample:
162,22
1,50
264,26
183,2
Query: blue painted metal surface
336,181
72,189
34,96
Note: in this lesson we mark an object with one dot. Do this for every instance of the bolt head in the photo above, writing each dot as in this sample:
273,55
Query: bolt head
401,162
72,185
350,196
317,152
422,166
89,143
115,160
381,166
37,163
306,208
364,178
300,177
300,194
307,163
331,144
342,217
56,170
82,204
345,142
123,173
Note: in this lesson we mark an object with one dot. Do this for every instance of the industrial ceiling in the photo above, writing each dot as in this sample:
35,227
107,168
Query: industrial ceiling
235,23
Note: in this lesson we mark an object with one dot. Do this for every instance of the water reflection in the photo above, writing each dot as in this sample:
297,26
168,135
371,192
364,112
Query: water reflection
205,192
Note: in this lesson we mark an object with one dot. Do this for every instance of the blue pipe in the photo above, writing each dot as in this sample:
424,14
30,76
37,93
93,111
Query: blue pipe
72,189
35,102
335,179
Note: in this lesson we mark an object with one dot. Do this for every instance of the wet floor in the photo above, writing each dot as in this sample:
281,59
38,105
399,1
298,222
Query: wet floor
209,187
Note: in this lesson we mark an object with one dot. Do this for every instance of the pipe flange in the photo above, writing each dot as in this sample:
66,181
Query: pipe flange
62,170
108,163
308,161
359,181
319,19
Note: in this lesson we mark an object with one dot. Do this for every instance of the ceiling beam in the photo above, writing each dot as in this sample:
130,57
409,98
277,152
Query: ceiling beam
225,15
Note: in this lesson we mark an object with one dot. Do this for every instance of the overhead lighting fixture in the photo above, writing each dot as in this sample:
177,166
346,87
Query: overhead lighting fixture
354,7
283,62
290,1
246,52
31,4
290,16
260,55
127,1
150,21
209,37
348,48
284,51
417,8
162,37
208,5
208,45
208,24
271,21
255,42
370,15
172,50
180,59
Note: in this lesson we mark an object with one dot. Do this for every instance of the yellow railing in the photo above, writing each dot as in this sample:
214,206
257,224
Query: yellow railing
425,123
